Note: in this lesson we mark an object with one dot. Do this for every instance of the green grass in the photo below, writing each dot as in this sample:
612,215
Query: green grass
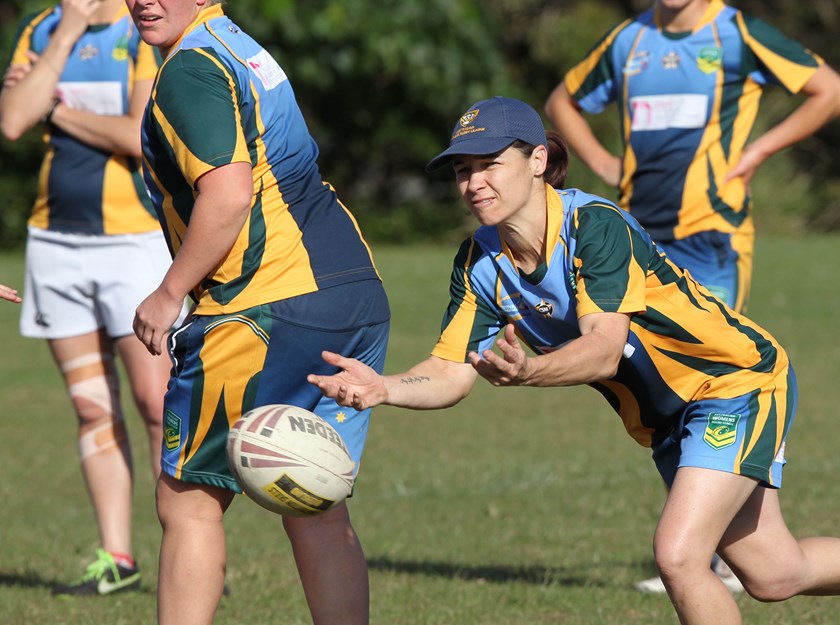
517,506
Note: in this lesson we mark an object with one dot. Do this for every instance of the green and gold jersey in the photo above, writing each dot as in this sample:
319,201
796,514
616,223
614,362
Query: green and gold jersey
82,189
220,98
684,344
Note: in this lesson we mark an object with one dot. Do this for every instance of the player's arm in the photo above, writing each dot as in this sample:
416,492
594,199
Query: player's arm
117,134
592,357
29,87
433,383
565,115
219,213
822,104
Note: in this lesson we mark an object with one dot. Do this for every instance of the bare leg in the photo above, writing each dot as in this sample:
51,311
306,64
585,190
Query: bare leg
192,551
148,376
332,567
757,542
707,508
87,364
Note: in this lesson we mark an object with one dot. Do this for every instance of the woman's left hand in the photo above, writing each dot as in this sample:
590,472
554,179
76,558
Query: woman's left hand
511,368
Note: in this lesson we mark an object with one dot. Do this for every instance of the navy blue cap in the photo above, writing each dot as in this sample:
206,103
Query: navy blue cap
490,126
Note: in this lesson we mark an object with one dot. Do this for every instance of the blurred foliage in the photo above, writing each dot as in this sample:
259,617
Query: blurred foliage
381,84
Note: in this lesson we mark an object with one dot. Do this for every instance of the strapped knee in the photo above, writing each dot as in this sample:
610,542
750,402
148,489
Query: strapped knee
94,389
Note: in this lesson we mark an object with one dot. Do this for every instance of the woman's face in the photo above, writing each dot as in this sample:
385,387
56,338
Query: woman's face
496,187
162,22
675,6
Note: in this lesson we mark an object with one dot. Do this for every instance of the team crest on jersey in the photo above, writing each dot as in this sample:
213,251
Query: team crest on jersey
88,52
721,429
120,52
636,63
171,430
710,59
545,308
671,60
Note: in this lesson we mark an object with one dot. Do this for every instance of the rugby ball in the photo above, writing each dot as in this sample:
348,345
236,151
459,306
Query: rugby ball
289,460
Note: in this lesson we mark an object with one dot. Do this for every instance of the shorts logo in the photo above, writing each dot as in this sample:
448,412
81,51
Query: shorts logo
721,430
171,430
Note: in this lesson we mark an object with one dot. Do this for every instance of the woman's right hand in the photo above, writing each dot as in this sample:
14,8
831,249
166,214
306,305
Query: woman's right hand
76,16
356,385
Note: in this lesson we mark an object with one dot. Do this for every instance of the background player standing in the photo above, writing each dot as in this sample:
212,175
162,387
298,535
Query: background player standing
94,248
687,76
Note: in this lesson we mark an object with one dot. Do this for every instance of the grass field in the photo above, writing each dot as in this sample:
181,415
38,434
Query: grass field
517,506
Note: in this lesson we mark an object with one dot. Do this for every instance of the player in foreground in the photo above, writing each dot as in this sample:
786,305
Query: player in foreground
582,284
279,270
80,72
687,77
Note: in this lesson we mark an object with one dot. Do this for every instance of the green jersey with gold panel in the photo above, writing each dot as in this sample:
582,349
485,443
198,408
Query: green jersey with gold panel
684,344
220,98
687,103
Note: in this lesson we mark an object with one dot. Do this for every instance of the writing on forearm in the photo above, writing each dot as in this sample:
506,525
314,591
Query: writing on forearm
416,379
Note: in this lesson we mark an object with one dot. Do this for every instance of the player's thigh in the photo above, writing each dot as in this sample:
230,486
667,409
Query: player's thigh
295,352
700,506
217,368
147,375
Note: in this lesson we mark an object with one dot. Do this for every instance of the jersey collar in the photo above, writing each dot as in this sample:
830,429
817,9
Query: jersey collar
204,16
715,7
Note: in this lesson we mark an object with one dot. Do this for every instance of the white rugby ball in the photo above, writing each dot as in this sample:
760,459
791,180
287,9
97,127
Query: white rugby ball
289,460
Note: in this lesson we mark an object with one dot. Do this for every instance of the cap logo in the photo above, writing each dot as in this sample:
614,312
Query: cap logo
468,117
465,125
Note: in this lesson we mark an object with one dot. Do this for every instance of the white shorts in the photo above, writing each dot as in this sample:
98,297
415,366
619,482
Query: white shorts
79,283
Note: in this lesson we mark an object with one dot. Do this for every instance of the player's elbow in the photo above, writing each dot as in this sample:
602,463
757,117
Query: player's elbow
11,128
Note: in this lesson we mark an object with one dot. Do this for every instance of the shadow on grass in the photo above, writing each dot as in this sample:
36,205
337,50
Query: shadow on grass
493,573
33,580
26,580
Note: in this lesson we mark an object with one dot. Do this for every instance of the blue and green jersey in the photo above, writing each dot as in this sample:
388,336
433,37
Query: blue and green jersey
687,103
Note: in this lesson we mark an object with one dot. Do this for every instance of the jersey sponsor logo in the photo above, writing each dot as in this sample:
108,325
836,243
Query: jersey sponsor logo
171,430
41,320
710,59
721,430
88,52
545,308
636,63
514,305
671,60
266,69
99,98
660,112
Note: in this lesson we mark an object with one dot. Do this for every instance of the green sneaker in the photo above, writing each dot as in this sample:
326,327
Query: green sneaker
103,576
